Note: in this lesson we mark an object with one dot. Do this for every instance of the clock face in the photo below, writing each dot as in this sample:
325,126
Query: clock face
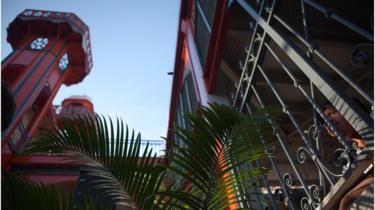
64,62
39,43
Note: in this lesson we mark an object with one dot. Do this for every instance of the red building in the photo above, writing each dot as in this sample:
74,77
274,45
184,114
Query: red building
49,49
297,55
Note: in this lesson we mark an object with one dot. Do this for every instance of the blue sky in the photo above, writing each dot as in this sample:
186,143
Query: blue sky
133,47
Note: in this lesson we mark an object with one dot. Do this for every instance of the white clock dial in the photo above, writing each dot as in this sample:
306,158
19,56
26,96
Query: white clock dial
39,43
64,62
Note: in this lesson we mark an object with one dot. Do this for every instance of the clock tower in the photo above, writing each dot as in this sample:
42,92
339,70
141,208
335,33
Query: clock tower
49,49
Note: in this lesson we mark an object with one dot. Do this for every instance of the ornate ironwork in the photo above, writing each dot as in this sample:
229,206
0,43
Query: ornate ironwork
288,180
315,191
362,55
301,155
305,204
344,159
314,131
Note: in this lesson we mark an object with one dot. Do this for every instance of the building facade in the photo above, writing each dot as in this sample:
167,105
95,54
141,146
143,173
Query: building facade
49,49
298,55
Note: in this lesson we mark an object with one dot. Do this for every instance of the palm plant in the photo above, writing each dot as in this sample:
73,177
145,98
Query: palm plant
219,142
121,174
20,194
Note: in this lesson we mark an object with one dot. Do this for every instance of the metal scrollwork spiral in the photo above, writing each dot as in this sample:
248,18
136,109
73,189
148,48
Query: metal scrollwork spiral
305,204
315,192
301,155
256,45
288,180
314,132
362,55
341,159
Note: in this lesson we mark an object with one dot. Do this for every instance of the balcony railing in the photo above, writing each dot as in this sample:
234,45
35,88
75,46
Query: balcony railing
157,146
293,61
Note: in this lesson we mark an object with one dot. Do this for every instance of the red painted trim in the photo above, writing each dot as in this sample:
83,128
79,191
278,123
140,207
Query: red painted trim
216,45
177,73
27,96
42,113
32,81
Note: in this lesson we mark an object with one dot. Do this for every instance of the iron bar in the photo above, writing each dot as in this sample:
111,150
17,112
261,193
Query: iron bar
328,13
258,192
313,154
303,124
269,190
286,151
315,106
315,123
244,4
294,32
245,66
317,52
304,22
310,147
320,164
343,75
274,166
357,117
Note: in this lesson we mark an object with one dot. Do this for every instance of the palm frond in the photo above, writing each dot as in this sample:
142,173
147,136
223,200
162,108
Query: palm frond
99,142
19,194
219,142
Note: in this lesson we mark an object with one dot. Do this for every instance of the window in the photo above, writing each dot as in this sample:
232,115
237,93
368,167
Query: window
39,43
187,103
204,15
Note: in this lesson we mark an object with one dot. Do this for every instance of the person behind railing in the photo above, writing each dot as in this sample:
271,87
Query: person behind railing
348,132
342,125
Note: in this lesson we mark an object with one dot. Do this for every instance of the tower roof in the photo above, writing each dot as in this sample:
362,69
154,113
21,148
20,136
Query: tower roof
63,25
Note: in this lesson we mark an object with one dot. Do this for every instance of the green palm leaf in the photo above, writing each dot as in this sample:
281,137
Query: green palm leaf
221,140
19,194
114,154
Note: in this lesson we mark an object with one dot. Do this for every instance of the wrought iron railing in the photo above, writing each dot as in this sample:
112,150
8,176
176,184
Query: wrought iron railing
157,146
315,77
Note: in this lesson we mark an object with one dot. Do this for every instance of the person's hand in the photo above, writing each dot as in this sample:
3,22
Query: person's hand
329,131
